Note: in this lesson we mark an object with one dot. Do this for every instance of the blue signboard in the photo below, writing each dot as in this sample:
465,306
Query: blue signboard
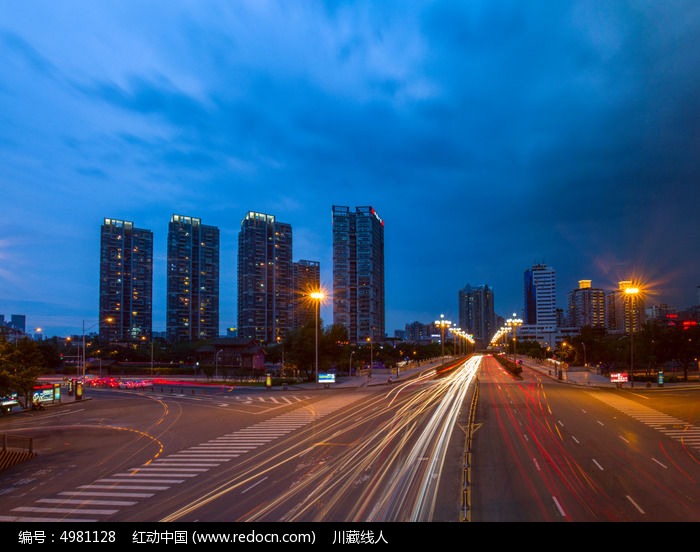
326,378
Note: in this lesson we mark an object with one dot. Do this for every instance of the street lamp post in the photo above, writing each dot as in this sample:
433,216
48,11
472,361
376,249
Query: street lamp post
317,296
514,323
216,363
442,324
632,292
109,320
350,363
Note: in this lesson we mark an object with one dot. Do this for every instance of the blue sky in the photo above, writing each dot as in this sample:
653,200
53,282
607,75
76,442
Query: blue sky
489,135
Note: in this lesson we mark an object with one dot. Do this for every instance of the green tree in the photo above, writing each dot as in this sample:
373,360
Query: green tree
21,364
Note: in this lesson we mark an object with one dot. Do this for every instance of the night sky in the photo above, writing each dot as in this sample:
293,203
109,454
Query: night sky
489,135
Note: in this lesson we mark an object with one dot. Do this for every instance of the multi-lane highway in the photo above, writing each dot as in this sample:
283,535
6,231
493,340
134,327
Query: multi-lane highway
547,451
367,454
536,449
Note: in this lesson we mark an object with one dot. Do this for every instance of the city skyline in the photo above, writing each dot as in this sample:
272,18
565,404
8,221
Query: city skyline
491,137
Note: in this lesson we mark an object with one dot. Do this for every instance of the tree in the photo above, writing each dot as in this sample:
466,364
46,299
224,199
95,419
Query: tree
21,363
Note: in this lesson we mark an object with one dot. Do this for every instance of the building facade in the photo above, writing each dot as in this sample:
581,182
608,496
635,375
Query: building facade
265,278
540,296
192,312
126,282
358,273
586,306
476,313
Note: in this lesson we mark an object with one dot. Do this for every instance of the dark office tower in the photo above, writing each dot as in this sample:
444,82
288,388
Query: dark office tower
126,282
358,273
476,313
193,280
265,278
307,278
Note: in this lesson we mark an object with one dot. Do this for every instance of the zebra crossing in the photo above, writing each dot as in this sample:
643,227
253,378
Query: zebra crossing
232,400
673,427
107,496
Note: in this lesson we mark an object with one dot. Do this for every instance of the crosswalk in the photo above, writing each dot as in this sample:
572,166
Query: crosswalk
105,497
673,427
232,400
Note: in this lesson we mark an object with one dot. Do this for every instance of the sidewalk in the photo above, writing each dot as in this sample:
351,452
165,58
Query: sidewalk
579,375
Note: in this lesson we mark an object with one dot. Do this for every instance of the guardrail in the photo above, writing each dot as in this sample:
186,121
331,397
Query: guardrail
15,449
466,467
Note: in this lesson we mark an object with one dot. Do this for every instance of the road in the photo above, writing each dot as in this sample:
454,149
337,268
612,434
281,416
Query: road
546,451
382,453
540,451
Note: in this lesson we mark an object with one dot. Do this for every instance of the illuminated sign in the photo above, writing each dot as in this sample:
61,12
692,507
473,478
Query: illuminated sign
618,377
326,378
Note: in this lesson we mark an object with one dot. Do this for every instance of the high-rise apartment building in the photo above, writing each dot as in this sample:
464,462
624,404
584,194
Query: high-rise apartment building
540,296
192,312
126,282
586,306
358,272
476,313
265,278
307,279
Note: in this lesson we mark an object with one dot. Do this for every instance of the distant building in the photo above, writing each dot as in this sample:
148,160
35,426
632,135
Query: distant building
19,322
476,313
192,312
358,273
232,355
586,306
126,282
14,328
540,296
265,278
417,332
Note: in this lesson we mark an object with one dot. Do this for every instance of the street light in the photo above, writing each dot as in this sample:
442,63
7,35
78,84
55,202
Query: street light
84,330
455,331
350,363
216,363
514,323
318,297
442,324
631,292
371,360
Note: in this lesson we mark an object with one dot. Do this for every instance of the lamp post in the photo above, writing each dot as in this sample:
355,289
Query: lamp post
454,331
350,363
109,320
317,296
442,324
631,292
371,360
514,323
216,363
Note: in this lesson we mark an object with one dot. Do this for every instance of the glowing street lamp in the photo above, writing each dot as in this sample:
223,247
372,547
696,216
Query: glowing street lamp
371,359
632,292
514,323
442,324
317,296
